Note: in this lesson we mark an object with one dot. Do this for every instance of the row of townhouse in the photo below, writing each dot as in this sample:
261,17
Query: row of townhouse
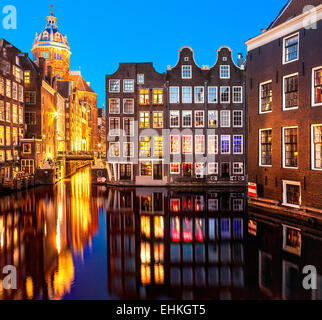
184,126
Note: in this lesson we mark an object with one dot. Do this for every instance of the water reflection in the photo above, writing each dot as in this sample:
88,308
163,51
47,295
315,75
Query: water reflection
157,244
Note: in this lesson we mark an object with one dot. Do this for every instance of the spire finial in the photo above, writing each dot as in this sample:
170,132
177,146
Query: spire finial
51,10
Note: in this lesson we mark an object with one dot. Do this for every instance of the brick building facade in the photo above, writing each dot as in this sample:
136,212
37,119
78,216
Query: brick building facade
284,103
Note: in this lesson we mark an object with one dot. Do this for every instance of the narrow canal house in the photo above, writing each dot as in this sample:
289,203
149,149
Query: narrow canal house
285,101
11,109
188,127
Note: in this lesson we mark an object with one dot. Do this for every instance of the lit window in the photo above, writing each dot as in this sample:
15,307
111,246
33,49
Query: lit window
144,120
114,85
114,126
8,88
145,147
2,111
290,146
158,146
266,97
186,72
224,72
159,228
26,147
212,144
212,119
187,170
237,94
291,48
238,168
175,168
14,91
290,97
187,119
27,77
8,112
175,222
27,166
317,87
144,97
114,106
238,144
187,144
20,93
9,155
225,144
174,94
146,169
199,94
212,168
174,119
174,144
186,95
1,135
157,119
200,144
146,229
2,156
317,146
224,94
128,85
114,149
2,86
199,119
128,149
157,96
212,95
140,79
225,118
291,193
265,146
30,97
128,106
128,125
8,136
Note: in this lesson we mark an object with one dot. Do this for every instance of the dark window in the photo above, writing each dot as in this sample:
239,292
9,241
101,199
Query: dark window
30,118
291,92
266,97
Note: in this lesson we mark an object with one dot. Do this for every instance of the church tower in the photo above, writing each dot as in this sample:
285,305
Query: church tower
53,46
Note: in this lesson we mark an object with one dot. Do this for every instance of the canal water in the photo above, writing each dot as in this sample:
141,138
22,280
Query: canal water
77,241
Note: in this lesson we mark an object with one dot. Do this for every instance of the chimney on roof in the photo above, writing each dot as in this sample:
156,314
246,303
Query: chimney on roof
50,75
88,83
240,59
42,67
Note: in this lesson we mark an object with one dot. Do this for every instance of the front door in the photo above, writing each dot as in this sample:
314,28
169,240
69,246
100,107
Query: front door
125,172
157,171
225,170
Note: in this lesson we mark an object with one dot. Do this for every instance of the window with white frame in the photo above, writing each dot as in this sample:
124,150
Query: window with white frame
175,168
291,92
199,119
224,72
186,72
212,95
200,144
225,118
213,119
158,146
238,168
128,149
291,48
128,126
237,94
158,119
291,193
213,144
290,147
187,145
128,85
145,146
265,147
317,146
128,106
114,127
224,94
186,95
238,118
114,106
238,144
114,149
174,119
266,97
144,120
140,79
115,86
187,119
212,168
199,94
174,95
175,144
225,144
317,86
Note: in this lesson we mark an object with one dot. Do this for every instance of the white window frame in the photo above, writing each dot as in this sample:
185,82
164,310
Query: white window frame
190,101
216,88
241,165
291,249
133,130
203,95
185,112
260,148
175,163
241,94
154,112
178,95
284,98
179,144
184,66
109,149
132,148
242,144
204,144
109,86
220,71
128,91
124,105
216,167
312,84
229,95
185,136
298,47
215,137
203,116
295,183
221,117
221,139
217,116
260,97
283,147
139,76
109,105
116,133
178,115
242,118
313,149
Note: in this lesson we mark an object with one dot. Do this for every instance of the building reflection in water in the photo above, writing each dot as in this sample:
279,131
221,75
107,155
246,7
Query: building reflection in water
41,231
174,244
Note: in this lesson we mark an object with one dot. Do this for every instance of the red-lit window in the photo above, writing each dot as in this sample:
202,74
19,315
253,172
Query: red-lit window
187,230
175,229
175,205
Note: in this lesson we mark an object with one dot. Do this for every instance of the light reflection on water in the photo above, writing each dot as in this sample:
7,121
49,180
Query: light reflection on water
75,241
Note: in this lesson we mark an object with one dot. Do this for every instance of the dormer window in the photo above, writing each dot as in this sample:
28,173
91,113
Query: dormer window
186,72
224,72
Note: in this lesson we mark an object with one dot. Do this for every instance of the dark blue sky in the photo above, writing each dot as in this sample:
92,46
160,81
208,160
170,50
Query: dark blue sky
103,33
